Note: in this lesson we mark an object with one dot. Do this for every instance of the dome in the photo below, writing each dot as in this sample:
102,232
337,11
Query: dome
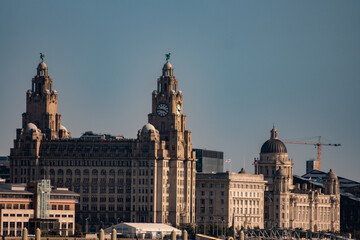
273,146
331,174
29,127
148,127
63,128
242,171
42,66
281,172
167,65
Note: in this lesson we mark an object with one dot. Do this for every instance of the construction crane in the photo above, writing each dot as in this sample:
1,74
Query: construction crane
318,146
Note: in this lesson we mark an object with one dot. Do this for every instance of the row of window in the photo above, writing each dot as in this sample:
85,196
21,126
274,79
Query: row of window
16,215
14,206
60,207
103,172
112,199
63,216
17,224
245,194
211,193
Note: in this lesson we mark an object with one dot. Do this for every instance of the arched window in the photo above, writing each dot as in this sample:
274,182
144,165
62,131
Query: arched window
112,172
77,172
52,172
120,172
94,172
68,172
86,172
60,172
128,172
103,172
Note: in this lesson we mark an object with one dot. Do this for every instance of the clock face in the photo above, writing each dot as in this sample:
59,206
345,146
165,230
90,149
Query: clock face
178,109
162,109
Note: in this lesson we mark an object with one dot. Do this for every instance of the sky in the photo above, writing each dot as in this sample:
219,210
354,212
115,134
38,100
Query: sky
241,65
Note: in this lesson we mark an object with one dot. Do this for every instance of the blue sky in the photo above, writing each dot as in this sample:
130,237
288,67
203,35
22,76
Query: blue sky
242,66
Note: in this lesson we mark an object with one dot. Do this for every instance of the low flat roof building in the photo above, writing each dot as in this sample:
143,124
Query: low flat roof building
143,230
22,206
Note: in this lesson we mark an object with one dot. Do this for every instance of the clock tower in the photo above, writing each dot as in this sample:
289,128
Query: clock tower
168,118
167,114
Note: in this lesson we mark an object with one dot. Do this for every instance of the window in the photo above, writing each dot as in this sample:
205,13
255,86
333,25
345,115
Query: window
53,207
5,224
22,206
67,207
60,207
12,224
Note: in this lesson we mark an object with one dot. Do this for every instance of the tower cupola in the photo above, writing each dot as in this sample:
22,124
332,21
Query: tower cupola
273,133
167,70
42,69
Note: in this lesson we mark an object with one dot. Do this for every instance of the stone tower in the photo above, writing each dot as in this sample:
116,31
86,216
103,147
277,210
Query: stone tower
168,118
41,121
41,104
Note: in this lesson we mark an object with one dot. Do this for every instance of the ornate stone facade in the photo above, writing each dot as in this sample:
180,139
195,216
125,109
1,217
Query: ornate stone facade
289,206
147,179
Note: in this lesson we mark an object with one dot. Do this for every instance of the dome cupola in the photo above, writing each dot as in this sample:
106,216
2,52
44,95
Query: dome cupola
273,145
148,128
167,68
42,69
331,174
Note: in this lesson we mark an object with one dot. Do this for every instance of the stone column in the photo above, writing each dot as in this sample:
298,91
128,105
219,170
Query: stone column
24,234
242,235
185,235
101,234
37,234
173,235
113,234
